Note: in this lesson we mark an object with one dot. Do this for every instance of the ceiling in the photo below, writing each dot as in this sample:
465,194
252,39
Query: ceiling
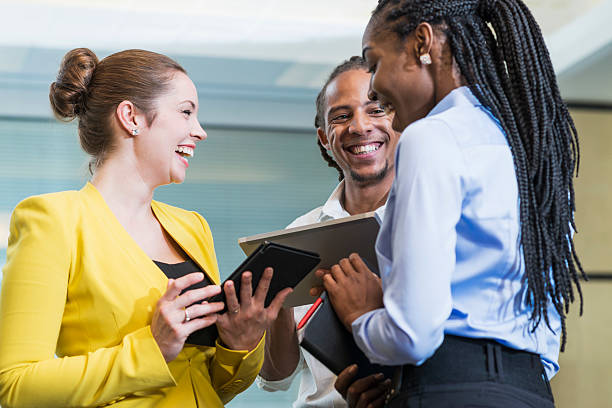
241,52
256,64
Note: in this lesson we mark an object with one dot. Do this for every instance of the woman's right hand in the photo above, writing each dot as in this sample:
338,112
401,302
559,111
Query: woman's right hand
169,325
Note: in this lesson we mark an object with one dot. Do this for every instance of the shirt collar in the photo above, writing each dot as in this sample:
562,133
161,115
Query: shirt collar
461,96
333,209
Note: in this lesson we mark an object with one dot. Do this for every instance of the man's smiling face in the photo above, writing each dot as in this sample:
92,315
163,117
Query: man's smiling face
357,130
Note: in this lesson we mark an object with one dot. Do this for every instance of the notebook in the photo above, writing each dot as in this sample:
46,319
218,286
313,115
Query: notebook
326,338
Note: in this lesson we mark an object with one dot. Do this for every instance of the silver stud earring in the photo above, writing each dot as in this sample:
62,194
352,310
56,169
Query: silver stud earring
135,131
425,59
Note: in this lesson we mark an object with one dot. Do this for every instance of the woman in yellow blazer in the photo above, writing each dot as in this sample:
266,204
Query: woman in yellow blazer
80,281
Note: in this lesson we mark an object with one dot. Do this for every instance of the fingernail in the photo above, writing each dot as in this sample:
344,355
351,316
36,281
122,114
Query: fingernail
379,376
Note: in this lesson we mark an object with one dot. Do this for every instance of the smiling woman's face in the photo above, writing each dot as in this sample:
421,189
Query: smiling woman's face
399,80
167,144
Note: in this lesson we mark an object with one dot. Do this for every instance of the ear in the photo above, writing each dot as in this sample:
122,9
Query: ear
424,37
323,138
129,118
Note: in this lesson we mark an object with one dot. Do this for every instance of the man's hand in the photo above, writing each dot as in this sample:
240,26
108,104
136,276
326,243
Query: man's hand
353,289
317,290
367,392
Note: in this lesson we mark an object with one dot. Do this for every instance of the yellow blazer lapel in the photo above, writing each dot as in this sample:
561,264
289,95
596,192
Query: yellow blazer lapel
191,235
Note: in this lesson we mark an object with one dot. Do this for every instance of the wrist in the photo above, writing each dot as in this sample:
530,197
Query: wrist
284,371
241,345
351,317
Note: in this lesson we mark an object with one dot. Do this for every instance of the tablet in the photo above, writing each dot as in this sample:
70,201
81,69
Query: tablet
290,266
332,240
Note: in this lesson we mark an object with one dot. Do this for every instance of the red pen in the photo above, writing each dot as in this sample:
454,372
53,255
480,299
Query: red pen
311,311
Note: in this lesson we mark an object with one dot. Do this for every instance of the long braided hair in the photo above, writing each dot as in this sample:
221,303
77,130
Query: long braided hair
353,63
500,52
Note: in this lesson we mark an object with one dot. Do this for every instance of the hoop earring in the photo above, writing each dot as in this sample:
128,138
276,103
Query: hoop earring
425,59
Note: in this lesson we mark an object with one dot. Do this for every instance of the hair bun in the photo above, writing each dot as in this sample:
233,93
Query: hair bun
67,94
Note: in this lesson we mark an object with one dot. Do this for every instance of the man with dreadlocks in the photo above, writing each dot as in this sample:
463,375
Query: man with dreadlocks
476,253
358,134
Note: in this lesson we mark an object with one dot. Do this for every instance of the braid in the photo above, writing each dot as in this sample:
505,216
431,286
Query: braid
353,63
509,70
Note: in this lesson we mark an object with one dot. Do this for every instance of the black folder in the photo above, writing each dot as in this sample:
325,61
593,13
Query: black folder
290,266
326,338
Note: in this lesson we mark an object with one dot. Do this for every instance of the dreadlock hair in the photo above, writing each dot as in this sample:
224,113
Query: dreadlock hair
507,67
353,63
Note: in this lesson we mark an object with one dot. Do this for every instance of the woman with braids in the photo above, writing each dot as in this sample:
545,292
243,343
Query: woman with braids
102,277
476,254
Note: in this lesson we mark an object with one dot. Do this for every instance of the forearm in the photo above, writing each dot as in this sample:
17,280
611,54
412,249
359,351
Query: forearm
282,352
383,342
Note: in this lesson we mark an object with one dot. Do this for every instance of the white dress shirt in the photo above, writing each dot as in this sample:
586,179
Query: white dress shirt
317,383
449,249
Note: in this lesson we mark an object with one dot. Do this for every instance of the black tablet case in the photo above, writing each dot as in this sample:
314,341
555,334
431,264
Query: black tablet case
290,266
326,338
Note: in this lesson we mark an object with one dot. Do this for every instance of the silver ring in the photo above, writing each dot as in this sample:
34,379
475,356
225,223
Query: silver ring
187,318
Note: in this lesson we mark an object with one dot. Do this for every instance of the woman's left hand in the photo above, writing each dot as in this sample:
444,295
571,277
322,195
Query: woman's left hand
353,289
244,323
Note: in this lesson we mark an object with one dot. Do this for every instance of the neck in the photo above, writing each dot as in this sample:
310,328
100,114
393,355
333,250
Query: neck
360,198
447,79
125,191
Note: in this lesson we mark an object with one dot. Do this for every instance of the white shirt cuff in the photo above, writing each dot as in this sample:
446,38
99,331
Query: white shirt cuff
285,383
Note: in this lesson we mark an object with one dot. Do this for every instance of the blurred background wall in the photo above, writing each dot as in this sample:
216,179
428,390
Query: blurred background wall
586,365
258,67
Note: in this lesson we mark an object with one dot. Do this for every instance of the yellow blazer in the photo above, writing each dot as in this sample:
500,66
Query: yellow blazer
76,285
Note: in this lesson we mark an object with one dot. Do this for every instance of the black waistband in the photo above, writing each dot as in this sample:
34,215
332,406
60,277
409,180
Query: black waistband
465,360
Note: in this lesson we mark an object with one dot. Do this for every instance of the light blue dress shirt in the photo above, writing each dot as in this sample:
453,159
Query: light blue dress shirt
449,248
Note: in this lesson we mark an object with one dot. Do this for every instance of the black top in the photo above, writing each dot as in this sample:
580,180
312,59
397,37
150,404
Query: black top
174,271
